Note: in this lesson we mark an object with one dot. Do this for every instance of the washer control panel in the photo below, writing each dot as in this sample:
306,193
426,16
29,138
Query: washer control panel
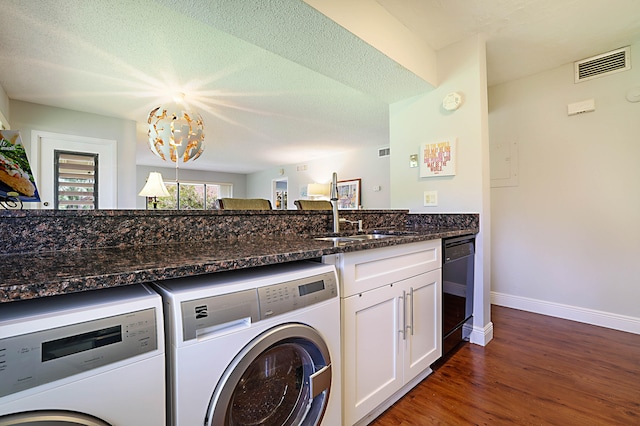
284,297
33,359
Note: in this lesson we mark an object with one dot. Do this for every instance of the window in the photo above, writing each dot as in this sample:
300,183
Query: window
76,180
193,195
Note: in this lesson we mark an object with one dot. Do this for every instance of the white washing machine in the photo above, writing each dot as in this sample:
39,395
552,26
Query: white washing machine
92,358
254,347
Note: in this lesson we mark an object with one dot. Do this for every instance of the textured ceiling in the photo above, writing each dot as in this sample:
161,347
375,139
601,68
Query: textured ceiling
524,37
276,81
121,58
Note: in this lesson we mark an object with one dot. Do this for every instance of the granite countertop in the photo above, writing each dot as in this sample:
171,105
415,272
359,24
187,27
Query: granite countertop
33,275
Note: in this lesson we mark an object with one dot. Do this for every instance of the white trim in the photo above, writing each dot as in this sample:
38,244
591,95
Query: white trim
481,335
37,135
110,146
574,313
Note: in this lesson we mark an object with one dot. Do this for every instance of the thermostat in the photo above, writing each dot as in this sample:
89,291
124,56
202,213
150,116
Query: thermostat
452,101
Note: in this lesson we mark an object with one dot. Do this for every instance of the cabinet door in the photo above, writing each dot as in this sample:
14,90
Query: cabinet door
424,324
372,361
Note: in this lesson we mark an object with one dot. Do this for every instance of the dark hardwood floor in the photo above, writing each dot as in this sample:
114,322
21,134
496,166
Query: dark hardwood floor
537,370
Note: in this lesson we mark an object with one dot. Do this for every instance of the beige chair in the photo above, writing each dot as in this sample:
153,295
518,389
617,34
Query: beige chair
313,204
243,204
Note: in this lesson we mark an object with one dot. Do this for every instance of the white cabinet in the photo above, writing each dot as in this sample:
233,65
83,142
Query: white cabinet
391,321
424,325
390,335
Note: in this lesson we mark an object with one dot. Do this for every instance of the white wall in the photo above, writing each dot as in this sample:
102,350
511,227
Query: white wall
4,108
462,68
27,116
361,164
423,120
566,239
239,181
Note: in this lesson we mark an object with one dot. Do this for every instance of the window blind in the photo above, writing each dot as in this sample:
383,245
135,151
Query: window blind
76,178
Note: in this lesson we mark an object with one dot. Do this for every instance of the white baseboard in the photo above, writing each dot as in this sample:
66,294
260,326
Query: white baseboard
481,336
574,313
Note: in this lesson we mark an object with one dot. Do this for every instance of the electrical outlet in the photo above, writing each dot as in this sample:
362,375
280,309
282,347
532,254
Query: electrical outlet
430,198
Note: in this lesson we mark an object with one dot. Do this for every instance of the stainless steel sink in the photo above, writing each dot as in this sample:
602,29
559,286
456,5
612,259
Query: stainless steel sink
370,236
340,241
336,239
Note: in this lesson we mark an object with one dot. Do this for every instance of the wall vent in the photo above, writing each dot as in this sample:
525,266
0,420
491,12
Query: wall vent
384,152
604,64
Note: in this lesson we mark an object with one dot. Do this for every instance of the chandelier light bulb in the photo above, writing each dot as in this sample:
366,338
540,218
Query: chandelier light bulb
178,97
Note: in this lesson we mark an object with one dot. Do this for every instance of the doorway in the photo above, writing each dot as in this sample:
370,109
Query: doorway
43,147
279,190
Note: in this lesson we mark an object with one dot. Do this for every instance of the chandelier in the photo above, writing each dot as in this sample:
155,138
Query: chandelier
176,133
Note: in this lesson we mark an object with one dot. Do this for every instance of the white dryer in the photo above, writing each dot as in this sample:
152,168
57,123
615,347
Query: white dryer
93,358
254,347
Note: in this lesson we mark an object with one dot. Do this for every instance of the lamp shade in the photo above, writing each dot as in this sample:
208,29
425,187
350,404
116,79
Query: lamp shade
154,186
176,134
318,189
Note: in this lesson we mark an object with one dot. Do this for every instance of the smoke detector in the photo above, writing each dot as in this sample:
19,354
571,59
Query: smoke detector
604,64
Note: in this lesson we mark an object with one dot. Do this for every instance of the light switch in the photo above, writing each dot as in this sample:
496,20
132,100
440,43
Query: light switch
430,198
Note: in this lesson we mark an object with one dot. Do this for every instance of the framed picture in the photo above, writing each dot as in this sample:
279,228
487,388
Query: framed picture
16,180
438,159
349,194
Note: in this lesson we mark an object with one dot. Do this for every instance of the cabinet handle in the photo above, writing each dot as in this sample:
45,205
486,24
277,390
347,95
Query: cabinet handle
411,295
404,315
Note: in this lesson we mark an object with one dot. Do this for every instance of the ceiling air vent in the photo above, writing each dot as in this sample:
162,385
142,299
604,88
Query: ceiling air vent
601,65
384,152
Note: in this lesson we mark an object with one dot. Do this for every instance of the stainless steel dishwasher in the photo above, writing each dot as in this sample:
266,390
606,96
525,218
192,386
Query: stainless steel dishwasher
457,290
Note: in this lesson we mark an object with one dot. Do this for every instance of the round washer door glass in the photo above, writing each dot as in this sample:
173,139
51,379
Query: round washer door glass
281,378
50,418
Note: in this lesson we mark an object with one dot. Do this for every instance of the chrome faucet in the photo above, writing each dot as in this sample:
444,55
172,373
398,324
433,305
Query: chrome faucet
334,201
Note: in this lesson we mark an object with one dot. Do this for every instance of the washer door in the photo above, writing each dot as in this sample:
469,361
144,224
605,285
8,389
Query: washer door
282,377
50,418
